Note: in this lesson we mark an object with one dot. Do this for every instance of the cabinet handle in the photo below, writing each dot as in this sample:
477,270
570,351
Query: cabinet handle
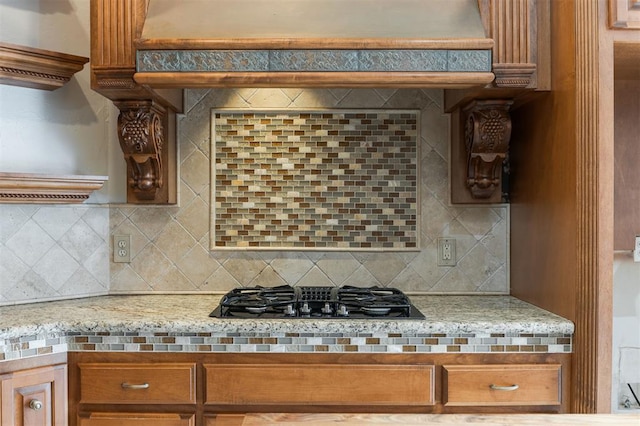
132,386
34,404
503,388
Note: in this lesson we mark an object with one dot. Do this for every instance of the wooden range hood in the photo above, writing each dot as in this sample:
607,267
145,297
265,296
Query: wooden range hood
144,52
318,43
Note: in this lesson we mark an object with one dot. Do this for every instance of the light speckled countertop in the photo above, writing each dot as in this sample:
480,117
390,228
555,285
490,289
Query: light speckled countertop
189,313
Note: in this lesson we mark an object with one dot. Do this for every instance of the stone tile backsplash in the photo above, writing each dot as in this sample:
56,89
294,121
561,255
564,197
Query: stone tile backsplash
171,244
53,252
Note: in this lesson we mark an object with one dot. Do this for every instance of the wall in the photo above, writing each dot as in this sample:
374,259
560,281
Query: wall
52,252
626,330
49,252
170,245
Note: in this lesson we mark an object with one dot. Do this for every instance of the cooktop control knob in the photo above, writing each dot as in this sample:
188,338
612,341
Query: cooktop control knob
327,309
342,311
289,311
305,309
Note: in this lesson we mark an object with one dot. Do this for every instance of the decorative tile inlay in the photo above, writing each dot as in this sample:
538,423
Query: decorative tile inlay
392,60
334,179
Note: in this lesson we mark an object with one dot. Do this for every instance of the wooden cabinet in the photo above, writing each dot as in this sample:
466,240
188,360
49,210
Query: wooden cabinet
502,385
138,419
131,383
34,397
127,393
325,384
216,389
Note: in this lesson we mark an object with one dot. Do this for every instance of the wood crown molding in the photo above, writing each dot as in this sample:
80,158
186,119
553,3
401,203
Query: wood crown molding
47,189
37,68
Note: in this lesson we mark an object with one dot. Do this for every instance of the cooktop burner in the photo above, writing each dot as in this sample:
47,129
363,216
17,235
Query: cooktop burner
316,302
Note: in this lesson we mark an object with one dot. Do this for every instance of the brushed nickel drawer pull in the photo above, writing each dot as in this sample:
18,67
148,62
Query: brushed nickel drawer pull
504,388
130,386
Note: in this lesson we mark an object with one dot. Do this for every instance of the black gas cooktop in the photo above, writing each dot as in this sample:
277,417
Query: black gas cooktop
316,302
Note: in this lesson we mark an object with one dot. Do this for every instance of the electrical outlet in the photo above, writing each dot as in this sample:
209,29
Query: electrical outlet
446,252
122,248
636,250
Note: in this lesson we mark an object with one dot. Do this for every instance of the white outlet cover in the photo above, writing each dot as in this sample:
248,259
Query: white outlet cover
636,250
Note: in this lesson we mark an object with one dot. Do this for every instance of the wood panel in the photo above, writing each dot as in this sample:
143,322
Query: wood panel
137,419
125,383
627,163
562,189
45,385
260,384
507,384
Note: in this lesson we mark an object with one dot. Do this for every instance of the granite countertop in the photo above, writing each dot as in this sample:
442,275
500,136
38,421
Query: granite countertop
189,313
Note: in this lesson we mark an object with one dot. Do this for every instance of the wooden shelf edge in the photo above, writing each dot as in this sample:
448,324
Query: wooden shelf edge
37,68
47,189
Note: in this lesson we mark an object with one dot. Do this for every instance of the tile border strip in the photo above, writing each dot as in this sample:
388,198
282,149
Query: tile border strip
382,342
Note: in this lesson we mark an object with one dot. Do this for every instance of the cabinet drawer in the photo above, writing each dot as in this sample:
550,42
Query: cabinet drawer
505,384
323,384
117,383
137,419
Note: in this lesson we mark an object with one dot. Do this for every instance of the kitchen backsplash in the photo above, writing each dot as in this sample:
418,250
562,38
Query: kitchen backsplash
170,245
52,252
314,180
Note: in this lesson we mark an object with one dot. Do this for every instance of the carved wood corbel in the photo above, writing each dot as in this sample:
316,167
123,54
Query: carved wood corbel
487,137
142,136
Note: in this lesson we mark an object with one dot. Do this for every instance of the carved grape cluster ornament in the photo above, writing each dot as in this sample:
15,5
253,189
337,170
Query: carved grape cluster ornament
487,137
140,131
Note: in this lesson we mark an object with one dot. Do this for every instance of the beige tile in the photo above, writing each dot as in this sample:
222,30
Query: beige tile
56,266
269,98
127,280
194,217
384,266
30,243
454,281
82,283
56,221
12,218
315,277
151,264
173,280
197,265
220,280
479,264
337,266
291,266
175,241
195,172
150,220
362,98
315,99
268,277
478,220
410,281
243,267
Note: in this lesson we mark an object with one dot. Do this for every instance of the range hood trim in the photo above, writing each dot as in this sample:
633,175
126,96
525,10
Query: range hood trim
193,80
325,43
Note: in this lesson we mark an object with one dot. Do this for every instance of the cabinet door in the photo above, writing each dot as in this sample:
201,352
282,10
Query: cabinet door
506,384
36,397
125,383
138,419
319,384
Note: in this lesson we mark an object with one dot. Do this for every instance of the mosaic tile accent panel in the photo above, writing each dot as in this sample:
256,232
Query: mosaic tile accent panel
333,179
248,342
396,60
